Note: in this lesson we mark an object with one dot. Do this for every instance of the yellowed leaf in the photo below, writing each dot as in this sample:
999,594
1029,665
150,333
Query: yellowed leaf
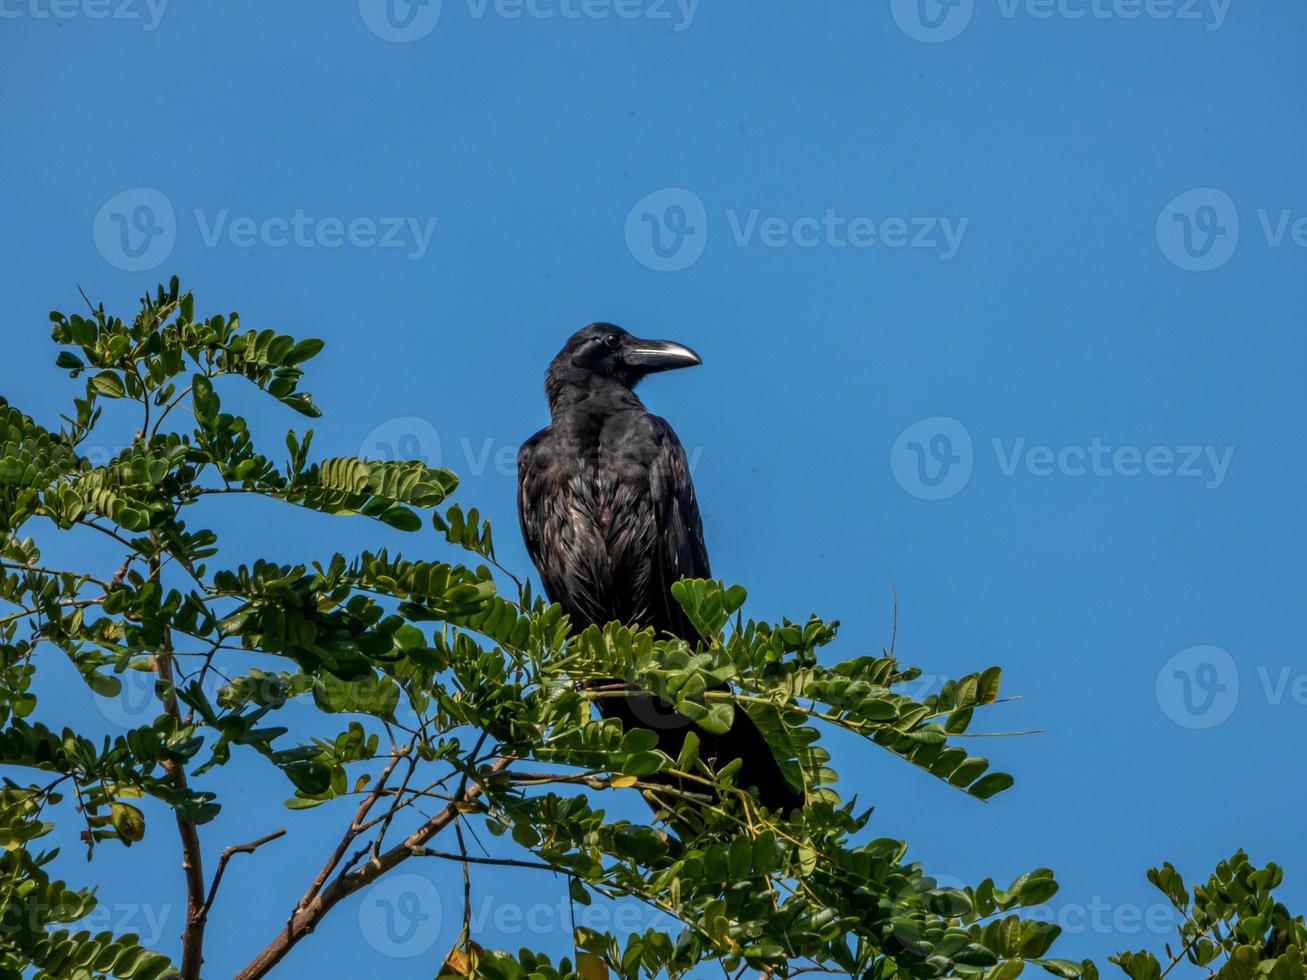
462,961
591,967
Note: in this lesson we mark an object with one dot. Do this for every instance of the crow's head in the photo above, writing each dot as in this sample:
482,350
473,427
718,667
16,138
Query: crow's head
602,352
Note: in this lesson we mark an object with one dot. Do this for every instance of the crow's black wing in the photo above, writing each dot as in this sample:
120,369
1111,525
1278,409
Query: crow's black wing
554,507
679,551
531,482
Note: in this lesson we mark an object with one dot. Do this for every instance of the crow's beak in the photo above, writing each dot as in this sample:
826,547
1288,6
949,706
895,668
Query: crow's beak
648,356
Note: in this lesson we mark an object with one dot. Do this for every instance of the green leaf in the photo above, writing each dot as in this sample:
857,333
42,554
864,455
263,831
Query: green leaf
128,821
108,384
310,778
991,785
105,685
204,399
715,718
304,350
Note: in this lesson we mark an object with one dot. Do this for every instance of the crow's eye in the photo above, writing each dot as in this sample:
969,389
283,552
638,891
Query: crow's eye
612,341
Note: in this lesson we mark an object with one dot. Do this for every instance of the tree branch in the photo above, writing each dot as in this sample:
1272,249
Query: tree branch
355,828
192,865
228,853
306,919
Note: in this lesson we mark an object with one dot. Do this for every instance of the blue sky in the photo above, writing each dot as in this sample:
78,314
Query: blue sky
999,305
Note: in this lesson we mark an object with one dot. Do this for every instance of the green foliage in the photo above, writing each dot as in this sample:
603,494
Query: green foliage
34,908
438,670
1233,927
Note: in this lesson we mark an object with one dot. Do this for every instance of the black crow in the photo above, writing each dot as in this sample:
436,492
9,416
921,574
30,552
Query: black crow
610,520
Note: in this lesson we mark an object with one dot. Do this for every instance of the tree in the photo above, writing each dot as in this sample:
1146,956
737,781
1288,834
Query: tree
496,737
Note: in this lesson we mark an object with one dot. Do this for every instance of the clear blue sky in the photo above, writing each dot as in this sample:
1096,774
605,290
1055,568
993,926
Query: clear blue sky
750,179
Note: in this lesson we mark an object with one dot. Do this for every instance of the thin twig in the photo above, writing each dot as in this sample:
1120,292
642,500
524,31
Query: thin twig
355,828
228,853
894,621
407,754
467,883
305,920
